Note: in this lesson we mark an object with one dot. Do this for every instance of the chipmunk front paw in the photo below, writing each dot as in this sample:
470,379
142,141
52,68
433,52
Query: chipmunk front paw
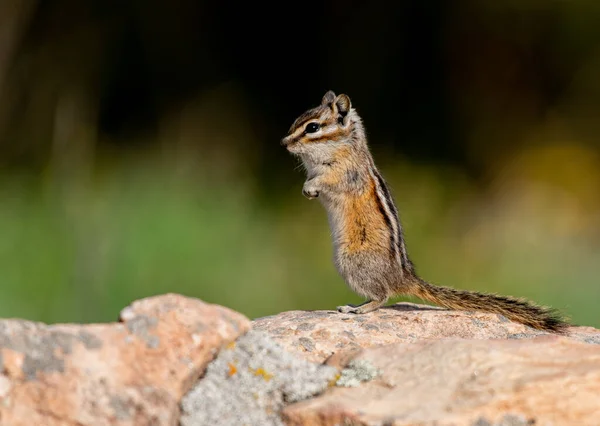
310,190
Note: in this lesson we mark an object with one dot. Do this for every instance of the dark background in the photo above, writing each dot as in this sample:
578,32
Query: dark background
139,148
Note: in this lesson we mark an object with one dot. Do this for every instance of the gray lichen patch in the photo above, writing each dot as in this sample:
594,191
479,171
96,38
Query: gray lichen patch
357,371
371,327
122,407
595,340
45,363
518,336
307,344
478,323
89,340
250,382
306,326
43,347
318,314
507,420
481,421
141,325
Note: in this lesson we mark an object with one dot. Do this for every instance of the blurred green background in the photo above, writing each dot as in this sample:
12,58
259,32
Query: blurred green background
139,149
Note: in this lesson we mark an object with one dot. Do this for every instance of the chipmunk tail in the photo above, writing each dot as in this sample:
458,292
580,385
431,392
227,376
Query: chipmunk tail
515,309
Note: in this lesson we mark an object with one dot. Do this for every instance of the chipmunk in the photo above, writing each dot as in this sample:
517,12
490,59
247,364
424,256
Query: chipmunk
369,248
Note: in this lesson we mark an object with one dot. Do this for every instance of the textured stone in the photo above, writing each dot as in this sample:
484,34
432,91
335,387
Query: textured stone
133,372
356,372
250,382
402,365
545,380
318,335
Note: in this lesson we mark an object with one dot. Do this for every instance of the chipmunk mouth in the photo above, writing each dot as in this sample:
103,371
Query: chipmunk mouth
291,146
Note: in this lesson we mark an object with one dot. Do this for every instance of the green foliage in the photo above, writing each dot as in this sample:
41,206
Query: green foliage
82,255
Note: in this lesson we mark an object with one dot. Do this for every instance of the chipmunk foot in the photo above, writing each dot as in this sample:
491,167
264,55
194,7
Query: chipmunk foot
364,308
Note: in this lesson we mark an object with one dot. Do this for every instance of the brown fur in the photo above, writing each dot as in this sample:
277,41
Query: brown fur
364,225
370,251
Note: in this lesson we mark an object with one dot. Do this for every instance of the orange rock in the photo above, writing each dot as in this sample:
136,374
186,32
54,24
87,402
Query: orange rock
129,373
546,380
317,335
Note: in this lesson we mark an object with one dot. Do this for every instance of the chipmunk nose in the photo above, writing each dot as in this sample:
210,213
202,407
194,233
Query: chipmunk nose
285,141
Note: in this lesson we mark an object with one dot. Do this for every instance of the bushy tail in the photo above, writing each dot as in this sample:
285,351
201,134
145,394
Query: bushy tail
518,310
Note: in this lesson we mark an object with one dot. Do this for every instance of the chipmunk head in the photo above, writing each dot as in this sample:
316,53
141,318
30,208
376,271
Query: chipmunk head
322,130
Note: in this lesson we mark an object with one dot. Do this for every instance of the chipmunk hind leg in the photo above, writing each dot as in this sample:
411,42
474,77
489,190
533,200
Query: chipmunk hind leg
368,276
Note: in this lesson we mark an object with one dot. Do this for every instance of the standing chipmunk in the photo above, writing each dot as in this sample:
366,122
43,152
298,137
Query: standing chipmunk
369,247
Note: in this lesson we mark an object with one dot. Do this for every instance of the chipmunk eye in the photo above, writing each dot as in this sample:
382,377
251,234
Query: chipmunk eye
312,127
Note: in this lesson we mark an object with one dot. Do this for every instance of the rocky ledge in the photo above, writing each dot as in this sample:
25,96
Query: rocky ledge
173,360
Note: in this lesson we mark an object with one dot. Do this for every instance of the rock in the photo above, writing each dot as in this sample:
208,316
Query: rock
133,372
404,364
249,383
544,380
318,335
357,371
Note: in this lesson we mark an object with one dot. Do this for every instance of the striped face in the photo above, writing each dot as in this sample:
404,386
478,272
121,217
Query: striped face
327,124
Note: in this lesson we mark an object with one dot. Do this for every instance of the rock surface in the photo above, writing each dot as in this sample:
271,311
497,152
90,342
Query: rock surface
250,382
317,335
402,365
129,373
546,380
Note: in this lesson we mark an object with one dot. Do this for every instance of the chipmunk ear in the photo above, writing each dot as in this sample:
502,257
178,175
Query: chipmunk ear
342,106
328,98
